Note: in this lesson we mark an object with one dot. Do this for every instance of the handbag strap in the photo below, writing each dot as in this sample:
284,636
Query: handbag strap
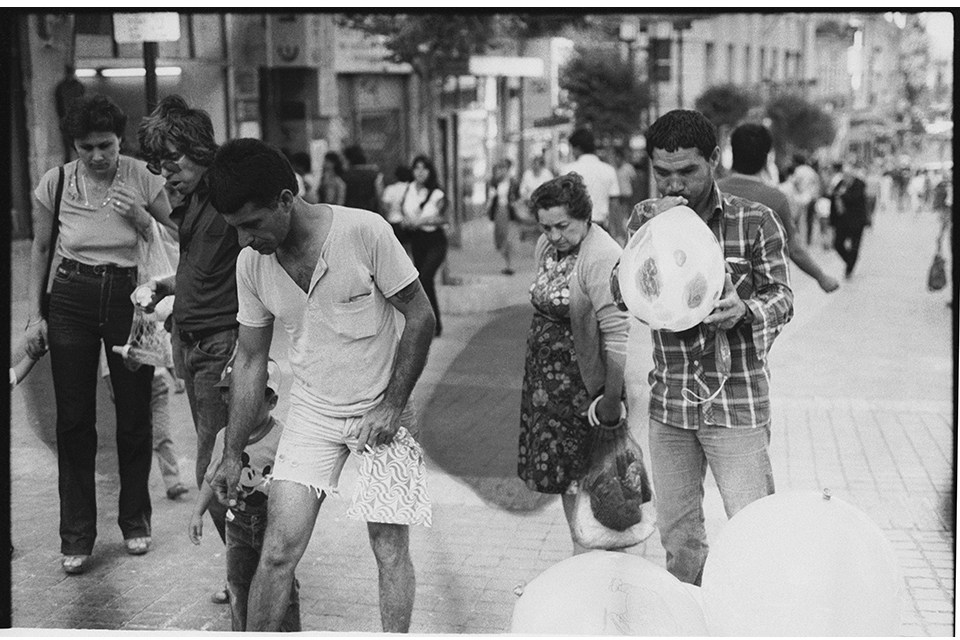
55,227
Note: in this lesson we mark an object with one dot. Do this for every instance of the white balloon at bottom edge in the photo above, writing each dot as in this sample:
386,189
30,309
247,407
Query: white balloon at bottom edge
798,564
607,593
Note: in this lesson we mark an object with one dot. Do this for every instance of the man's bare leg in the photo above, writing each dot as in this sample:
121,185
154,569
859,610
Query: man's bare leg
292,513
398,583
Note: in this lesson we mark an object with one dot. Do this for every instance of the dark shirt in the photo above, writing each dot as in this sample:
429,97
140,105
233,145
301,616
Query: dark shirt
362,188
848,203
206,289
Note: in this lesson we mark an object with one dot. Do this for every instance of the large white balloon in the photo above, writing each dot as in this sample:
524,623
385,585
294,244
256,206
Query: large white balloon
801,564
607,593
672,271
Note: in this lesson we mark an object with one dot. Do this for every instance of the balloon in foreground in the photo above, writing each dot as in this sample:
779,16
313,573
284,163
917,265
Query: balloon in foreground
672,271
801,564
607,593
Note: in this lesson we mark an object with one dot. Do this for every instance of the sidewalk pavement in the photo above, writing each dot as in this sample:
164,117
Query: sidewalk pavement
862,404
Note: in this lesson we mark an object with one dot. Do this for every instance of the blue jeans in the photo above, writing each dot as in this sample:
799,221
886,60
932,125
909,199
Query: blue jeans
244,544
200,363
740,464
87,309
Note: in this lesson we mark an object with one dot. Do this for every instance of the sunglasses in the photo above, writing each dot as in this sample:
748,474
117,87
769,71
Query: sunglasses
158,165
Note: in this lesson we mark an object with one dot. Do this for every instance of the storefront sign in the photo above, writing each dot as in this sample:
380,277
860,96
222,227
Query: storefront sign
146,27
507,66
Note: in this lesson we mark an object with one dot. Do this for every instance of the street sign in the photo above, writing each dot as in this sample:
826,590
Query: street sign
146,27
507,66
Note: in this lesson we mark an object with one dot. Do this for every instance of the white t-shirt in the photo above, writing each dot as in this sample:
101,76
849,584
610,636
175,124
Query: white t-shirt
417,204
601,180
344,333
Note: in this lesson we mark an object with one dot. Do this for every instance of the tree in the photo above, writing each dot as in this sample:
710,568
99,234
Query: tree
726,105
799,125
605,93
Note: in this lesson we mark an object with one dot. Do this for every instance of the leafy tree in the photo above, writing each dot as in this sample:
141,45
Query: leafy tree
726,105
605,93
799,125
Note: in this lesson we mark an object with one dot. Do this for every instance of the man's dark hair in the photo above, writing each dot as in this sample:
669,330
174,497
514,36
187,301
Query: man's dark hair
189,130
751,143
682,129
247,170
582,139
567,191
354,155
94,113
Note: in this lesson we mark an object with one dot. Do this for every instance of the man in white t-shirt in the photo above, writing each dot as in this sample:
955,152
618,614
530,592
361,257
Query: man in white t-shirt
600,177
360,326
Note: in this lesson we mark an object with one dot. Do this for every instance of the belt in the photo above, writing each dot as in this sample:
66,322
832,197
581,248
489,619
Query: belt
200,334
97,269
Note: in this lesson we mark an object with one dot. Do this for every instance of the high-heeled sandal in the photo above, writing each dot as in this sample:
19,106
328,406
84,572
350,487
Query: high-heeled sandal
74,564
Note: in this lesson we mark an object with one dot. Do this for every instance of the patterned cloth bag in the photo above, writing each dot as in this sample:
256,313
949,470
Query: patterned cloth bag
392,484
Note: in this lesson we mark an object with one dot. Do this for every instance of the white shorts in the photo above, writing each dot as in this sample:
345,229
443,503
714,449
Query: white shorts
392,484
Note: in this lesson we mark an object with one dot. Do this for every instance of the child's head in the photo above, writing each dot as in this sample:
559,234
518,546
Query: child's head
271,391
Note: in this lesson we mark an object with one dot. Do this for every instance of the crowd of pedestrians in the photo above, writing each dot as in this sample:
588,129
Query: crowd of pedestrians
347,266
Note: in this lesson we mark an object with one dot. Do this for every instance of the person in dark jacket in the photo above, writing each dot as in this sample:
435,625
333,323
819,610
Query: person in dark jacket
848,215
364,181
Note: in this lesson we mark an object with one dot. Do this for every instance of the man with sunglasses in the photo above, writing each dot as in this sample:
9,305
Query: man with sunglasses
178,143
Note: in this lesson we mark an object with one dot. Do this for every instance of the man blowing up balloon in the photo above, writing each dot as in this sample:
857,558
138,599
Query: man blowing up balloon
709,395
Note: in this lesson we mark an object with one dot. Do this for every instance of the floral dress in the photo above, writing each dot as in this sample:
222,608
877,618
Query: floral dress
554,437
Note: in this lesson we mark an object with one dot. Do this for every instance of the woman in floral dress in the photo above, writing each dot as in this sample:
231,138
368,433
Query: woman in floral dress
576,347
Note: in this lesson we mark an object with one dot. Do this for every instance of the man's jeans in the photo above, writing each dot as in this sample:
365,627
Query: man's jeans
88,309
200,364
244,543
740,464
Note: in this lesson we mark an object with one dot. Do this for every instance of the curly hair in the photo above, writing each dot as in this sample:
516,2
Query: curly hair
93,113
189,130
567,191
682,129
247,170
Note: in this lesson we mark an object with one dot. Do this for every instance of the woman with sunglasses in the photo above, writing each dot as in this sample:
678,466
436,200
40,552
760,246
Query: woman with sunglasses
106,202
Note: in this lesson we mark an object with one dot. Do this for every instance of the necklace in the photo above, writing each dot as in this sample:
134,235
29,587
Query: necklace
105,196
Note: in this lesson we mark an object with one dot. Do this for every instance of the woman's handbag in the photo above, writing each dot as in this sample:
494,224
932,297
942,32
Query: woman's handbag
608,511
937,275
54,235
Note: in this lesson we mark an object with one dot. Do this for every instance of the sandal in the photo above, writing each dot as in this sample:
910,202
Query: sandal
74,564
220,597
137,546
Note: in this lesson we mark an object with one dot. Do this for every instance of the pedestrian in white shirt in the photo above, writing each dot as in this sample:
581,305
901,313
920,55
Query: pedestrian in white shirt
599,177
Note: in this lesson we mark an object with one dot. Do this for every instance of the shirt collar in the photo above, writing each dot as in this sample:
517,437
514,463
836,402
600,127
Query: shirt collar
716,202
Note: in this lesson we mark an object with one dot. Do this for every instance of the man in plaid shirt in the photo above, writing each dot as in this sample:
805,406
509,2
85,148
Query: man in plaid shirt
703,409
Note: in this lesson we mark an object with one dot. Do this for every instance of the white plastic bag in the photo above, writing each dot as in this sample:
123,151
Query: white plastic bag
149,343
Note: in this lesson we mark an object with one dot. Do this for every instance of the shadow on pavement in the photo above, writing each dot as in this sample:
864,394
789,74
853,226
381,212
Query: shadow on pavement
471,423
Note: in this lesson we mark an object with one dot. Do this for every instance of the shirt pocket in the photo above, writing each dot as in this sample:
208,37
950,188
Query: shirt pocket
357,318
741,274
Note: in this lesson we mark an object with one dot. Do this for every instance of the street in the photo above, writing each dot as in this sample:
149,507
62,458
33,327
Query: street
862,394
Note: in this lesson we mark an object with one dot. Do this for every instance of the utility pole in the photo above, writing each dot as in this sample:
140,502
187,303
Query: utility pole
150,50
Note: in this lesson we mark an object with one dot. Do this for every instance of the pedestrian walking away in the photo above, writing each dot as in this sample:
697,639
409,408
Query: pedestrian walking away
335,279
600,177
503,194
751,145
247,520
730,433
90,214
424,209
179,142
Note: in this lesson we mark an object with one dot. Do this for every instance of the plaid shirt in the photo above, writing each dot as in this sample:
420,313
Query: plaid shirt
686,360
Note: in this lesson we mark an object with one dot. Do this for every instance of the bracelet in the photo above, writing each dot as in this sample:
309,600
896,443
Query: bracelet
594,420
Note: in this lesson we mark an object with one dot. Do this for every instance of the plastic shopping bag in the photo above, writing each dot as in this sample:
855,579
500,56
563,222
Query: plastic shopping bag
148,342
610,510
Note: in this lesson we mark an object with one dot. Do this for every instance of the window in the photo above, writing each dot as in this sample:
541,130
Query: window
730,63
747,65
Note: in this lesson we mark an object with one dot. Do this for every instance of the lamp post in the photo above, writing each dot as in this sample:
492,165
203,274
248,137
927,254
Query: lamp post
680,26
